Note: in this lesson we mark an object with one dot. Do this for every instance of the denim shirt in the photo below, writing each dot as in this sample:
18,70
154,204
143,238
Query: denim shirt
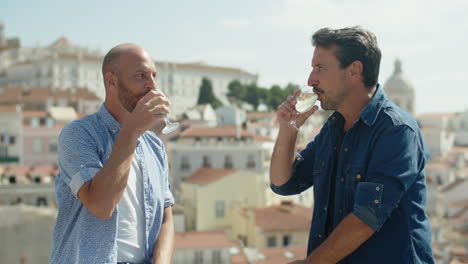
379,178
84,147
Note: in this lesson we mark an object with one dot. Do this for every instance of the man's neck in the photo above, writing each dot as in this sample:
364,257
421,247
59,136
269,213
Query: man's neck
353,106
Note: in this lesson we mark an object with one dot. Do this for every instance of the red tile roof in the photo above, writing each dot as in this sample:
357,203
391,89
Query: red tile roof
285,216
207,175
207,239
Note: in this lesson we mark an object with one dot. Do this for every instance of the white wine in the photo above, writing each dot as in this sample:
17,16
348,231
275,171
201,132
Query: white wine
305,101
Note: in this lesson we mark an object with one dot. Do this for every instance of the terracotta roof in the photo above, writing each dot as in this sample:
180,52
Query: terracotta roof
435,115
207,175
208,239
452,185
8,108
260,115
440,165
281,255
35,94
24,174
202,66
223,131
285,216
35,114
458,149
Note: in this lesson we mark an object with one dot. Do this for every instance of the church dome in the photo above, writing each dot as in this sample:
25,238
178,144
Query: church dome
398,83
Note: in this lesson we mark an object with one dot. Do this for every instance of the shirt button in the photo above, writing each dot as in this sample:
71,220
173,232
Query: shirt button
346,149
342,179
376,201
325,209
340,211
82,166
358,176
319,236
377,188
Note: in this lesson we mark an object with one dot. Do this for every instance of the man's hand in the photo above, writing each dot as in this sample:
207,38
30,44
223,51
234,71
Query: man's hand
151,108
287,111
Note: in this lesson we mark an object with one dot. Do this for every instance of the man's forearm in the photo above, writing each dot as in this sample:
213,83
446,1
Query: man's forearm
345,239
164,246
283,156
104,191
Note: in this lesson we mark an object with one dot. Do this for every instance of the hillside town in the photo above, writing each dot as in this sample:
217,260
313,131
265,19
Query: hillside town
219,159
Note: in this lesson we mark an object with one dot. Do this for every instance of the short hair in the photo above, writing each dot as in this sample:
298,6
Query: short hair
353,44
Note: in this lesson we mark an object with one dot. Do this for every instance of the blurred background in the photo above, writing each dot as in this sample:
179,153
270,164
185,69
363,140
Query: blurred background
225,66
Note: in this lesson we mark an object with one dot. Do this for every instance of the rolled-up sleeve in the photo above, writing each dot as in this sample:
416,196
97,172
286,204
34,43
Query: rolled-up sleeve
393,168
168,196
78,157
301,179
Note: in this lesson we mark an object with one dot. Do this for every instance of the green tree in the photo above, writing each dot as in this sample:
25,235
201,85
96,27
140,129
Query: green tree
236,91
275,97
252,95
206,95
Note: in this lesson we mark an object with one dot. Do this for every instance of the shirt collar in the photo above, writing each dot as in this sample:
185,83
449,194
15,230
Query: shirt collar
108,120
372,109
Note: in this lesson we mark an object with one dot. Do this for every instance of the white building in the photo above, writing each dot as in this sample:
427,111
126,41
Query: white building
400,90
228,147
64,65
460,126
11,144
25,234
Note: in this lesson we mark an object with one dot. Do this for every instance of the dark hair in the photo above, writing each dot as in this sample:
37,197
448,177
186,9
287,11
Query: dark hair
353,44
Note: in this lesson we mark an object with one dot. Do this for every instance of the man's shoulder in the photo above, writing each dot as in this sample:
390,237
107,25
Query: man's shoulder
80,125
392,116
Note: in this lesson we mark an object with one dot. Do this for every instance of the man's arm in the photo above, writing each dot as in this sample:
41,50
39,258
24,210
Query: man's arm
101,194
164,246
283,154
347,237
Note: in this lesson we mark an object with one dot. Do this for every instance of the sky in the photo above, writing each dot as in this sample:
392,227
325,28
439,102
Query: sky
270,38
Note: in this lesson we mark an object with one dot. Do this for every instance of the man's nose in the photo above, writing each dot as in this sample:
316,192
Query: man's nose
312,81
151,84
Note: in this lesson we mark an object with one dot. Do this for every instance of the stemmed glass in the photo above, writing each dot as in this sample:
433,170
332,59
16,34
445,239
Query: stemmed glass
170,126
304,102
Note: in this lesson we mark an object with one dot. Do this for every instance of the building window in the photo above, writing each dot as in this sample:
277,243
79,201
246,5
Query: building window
34,122
50,122
41,201
12,179
36,145
286,240
3,151
52,146
198,257
206,162
228,162
12,140
185,165
271,241
251,162
216,258
219,209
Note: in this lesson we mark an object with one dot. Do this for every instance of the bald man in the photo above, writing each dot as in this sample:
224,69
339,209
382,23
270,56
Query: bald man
113,196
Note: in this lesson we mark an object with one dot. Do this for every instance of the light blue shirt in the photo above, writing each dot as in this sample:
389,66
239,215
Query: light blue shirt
83,149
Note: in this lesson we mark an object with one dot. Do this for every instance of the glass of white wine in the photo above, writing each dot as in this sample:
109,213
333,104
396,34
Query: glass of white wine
304,102
170,126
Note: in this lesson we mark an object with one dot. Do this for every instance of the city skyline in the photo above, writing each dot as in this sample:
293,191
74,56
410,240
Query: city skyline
270,38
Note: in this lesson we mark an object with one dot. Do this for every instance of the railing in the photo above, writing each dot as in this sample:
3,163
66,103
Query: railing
9,159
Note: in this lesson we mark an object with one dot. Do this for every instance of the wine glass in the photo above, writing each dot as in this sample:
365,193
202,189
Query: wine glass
304,102
170,126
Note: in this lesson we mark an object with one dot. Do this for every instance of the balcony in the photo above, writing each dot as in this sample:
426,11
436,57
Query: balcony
9,159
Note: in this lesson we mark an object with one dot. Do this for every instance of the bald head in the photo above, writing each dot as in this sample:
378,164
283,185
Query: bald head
111,60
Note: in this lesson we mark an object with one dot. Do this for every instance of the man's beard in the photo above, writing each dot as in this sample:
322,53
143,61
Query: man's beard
126,98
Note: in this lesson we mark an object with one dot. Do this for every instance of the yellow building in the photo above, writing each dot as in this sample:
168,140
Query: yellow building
281,225
212,198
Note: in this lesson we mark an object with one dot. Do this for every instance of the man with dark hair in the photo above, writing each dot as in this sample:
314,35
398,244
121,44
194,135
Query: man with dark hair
366,164
113,196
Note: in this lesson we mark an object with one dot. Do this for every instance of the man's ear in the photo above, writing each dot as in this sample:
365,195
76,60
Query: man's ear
356,69
109,80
